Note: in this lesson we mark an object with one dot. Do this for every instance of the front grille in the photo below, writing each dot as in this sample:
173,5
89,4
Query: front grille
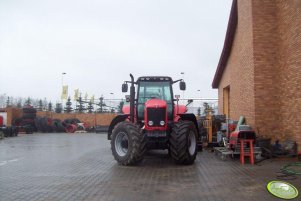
156,115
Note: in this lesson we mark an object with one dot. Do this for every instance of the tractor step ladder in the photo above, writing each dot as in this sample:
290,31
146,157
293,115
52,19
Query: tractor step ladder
243,152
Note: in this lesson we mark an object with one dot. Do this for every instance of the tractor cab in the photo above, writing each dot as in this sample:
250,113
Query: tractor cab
150,88
150,91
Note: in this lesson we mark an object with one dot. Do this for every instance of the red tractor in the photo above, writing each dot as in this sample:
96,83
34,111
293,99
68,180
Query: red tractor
153,121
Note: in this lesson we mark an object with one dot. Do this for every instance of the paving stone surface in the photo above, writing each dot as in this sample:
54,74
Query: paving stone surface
56,167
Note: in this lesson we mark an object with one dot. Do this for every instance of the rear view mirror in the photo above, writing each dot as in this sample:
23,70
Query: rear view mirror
124,87
182,86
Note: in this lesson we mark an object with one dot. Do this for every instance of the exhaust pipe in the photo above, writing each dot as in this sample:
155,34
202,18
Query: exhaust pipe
132,99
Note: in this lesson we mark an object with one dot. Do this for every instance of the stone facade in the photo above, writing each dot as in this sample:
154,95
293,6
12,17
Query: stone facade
263,68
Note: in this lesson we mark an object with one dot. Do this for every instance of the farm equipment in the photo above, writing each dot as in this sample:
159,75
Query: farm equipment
153,120
210,129
241,142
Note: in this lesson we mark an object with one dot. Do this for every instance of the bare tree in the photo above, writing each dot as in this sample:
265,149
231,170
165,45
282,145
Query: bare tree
2,100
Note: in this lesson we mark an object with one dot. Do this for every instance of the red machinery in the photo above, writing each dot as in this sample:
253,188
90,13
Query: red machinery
241,142
236,136
153,120
1,121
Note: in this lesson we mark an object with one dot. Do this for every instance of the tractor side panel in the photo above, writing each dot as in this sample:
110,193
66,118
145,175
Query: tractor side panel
126,109
179,109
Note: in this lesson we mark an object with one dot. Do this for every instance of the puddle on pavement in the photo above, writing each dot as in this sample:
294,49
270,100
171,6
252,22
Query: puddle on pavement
8,161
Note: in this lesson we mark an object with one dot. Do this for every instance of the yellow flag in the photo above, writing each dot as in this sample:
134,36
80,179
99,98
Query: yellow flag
92,99
76,91
64,92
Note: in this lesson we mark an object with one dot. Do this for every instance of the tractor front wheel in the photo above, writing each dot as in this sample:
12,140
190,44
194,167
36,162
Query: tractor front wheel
183,142
127,143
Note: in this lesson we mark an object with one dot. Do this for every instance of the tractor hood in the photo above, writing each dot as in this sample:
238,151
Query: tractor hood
155,103
155,114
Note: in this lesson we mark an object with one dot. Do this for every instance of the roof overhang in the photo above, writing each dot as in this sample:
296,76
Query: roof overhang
232,24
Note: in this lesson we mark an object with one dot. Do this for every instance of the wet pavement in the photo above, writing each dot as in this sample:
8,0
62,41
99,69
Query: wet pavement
57,167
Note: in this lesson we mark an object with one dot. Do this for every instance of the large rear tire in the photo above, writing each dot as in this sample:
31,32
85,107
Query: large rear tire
183,142
127,143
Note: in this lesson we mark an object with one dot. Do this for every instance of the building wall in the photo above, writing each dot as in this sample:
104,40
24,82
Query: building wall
266,67
289,17
277,57
239,72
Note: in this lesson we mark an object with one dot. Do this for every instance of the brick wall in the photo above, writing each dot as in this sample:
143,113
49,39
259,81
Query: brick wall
103,119
12,114
289,29
239,71
277,57
264,68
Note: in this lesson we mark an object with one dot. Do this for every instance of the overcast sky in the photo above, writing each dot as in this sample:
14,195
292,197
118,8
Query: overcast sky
99,42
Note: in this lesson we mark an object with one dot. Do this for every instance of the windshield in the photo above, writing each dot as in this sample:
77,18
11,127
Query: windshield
149,90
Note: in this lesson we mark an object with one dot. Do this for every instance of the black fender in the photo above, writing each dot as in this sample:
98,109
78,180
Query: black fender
190,117
116,120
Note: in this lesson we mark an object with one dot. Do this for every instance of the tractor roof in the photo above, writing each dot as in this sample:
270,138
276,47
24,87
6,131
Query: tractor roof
154,78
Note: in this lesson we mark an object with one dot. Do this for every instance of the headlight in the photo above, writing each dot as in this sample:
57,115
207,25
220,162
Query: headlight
162,123
150,123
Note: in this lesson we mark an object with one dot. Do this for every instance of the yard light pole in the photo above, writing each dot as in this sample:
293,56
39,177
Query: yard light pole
112,100
63,73
200,96
200,101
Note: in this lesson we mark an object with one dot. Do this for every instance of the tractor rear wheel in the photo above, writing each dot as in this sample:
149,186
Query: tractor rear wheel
127,143
183,142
